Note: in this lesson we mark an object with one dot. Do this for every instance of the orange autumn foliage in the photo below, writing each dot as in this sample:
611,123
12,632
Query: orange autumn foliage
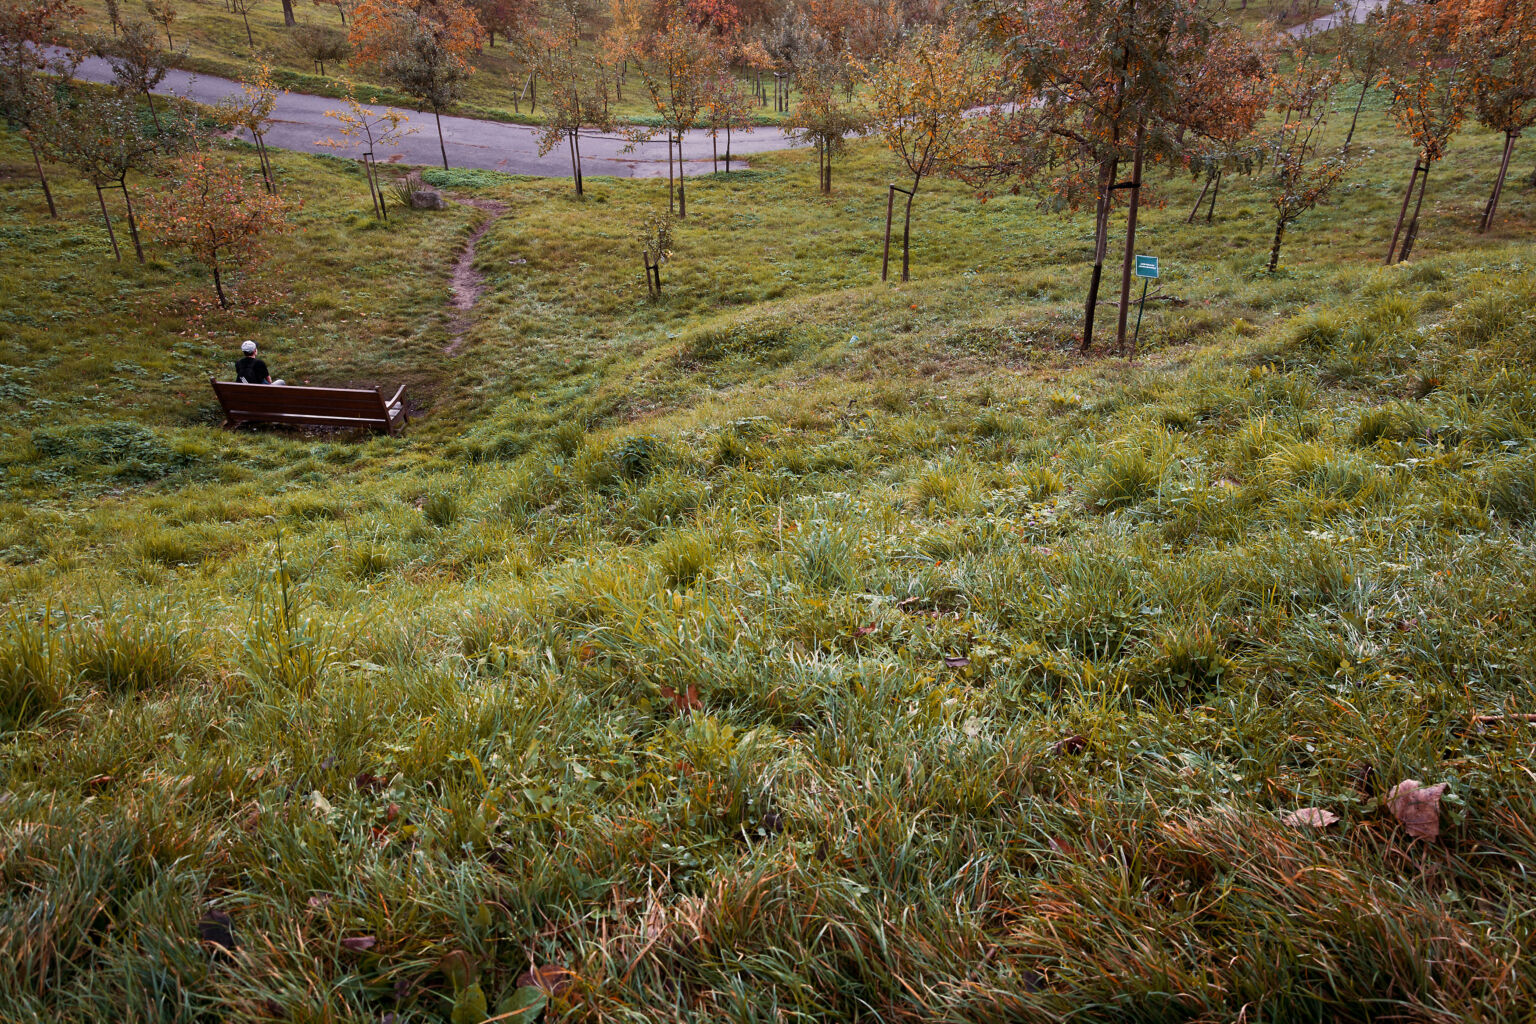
382,27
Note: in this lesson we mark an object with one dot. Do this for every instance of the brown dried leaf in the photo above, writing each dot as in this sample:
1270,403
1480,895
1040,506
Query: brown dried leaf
367,782
683,701
1417,807
1073,744
359,943
1313,817
956,662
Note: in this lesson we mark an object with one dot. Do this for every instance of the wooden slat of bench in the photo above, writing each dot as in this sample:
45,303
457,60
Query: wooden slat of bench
374,408
315,406
311,419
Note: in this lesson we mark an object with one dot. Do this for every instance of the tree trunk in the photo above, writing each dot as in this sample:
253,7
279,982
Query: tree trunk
1130,239
1274,252
373,192
727,150
441,145
1215,191
671,185
1365,87
248,40
714,150
153,113
1100,248
1402,213
906,232
112,235
682,198
266,165
218,286
826,185
575,162
1498,186
1413,225
53,211
133,227
288,18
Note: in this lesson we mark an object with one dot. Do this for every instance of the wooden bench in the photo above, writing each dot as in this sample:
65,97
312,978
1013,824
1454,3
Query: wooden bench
315,407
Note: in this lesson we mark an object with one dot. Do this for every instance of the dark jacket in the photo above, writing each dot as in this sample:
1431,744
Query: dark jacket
250,370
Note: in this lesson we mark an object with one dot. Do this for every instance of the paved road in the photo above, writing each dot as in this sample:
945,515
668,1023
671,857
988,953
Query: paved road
1358,11
299,122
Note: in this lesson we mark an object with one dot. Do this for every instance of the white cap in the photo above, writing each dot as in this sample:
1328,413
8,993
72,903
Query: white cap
249,348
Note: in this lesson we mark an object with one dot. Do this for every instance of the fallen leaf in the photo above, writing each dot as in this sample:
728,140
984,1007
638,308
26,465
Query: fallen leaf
865,630
684,701
469,1006
358,943
458,968
1073,744
1062,847
956,662
320,804
1417,807
1314,817
369,782
524,1004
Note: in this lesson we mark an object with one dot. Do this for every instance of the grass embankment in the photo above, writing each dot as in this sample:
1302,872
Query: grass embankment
211,40
720,651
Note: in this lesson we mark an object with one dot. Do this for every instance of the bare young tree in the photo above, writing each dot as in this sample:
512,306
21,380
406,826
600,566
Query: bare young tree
138,63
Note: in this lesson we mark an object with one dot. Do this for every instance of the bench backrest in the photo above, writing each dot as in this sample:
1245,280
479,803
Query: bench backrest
296,404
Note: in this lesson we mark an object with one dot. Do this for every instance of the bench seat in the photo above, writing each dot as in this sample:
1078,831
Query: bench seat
314,407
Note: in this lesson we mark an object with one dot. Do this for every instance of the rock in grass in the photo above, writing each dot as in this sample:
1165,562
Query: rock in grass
428,199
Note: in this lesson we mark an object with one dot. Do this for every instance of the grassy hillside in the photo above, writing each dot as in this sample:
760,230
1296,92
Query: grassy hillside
792,648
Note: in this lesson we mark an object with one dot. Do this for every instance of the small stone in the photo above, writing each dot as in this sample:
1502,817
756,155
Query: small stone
428,199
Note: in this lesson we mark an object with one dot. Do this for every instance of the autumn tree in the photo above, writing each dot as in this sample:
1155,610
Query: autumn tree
341,6
727,109
920,93
138,64
251,110
1232,143
1099,84
164,14
101,136
577,99
369,129
677,65
824,117
209,210
245,8
1501,44
1427,78
422,46
1359,49
26,99
1303,173
508,17
321,44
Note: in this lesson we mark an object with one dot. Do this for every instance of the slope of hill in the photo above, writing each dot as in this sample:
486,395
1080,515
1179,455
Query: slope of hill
793,647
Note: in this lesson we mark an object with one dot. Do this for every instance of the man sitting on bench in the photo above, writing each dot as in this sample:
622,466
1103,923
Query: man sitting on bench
249,369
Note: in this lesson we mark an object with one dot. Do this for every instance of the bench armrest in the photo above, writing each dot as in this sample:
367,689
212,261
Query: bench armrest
392,401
